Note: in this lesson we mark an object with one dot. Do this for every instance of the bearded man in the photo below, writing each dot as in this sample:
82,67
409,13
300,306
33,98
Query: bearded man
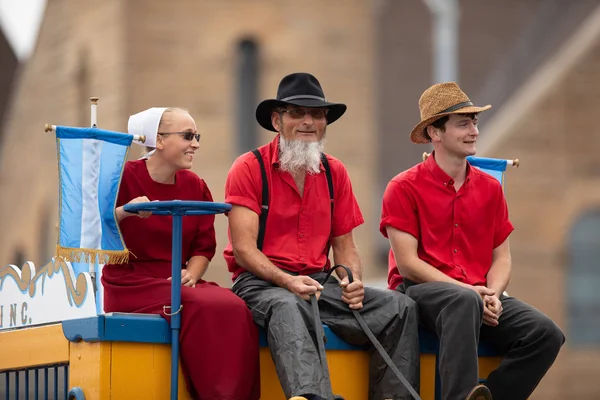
278,261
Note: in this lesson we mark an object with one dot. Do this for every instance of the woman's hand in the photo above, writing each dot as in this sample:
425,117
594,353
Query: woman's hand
122,214
187,278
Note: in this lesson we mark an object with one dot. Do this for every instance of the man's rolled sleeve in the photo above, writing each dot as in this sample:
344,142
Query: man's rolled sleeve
503,226
346,214
398,211
240,187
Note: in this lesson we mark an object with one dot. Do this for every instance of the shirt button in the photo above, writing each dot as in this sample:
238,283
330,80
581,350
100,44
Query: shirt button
445,184
302,259
456,225
455,250
302,235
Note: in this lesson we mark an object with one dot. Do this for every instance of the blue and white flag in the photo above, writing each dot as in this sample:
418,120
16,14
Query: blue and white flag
90,163
493,166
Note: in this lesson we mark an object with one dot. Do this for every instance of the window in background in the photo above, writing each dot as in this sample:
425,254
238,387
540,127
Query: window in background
46,234
18,258
246,96
583,278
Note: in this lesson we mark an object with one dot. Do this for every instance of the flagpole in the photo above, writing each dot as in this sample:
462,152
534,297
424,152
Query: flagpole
94,124
94,115
52,129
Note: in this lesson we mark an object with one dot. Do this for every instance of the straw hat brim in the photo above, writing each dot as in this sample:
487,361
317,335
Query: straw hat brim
418,133
265,109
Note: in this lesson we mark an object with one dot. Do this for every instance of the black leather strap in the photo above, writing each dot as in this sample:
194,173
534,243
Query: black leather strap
371,336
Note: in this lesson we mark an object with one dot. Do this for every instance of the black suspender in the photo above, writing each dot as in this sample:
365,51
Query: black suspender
262,221
330,185
264,212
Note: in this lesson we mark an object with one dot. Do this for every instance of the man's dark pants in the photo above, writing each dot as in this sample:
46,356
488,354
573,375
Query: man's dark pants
527,337
288,322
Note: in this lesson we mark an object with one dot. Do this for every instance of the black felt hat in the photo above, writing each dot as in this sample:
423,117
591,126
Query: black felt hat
298,89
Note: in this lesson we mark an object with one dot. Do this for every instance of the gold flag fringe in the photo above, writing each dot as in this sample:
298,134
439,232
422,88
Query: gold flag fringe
92,255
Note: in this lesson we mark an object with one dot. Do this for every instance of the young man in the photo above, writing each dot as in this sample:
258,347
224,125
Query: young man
276,267
448,226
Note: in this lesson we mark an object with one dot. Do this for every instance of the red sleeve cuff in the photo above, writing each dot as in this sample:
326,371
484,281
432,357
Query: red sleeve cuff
398,223
205,253
341,231
244,202
502,233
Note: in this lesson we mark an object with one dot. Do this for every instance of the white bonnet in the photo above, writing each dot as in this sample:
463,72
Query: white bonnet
146,123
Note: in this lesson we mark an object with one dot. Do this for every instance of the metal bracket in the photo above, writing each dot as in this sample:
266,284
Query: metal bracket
171,314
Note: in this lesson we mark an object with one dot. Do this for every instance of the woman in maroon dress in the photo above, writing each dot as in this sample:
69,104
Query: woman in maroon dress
219,341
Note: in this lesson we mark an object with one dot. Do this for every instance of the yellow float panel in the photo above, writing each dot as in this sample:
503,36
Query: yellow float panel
349,375
90,369
143,371
29,347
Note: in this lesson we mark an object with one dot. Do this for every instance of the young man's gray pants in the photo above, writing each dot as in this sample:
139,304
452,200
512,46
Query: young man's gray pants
288,321
527,337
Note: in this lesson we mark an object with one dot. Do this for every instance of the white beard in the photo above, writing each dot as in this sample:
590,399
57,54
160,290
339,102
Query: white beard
298,155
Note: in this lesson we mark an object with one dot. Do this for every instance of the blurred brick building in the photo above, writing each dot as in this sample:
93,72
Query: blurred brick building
8,68
537,62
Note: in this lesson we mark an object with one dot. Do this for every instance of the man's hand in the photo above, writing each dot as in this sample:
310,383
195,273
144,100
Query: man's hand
489,317
483,291
303,286
492,310
353,293
187,279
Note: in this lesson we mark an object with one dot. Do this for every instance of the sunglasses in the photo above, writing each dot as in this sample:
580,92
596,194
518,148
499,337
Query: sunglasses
189,136
299,113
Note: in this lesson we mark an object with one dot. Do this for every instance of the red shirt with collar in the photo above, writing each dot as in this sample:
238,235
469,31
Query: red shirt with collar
298,227
457,231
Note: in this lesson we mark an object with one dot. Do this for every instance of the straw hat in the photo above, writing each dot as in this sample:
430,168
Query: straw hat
438,101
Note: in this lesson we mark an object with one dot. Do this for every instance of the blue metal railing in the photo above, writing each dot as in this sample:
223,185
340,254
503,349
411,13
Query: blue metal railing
28,384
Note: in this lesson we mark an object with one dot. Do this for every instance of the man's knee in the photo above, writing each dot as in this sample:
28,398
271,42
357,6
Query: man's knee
550,334
407,307
396,304
289,319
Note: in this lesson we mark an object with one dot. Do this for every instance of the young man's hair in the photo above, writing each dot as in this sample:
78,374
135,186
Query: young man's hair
441,123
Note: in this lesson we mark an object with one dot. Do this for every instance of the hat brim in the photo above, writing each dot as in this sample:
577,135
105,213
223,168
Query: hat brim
265,110
418,133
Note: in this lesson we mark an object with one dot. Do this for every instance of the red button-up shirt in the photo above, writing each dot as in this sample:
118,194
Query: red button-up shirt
457,231
298,227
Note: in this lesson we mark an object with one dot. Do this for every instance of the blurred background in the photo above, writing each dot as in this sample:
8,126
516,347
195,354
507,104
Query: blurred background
536,61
